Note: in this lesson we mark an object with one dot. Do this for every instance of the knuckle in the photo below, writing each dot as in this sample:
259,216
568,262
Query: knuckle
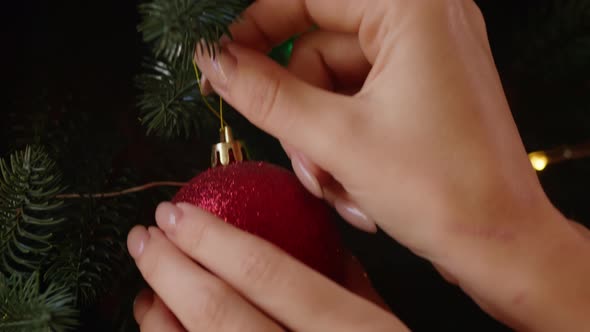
352,121
309,40
150,265
260,267
264,99
475,10
469,6
209,311
200,233
265,41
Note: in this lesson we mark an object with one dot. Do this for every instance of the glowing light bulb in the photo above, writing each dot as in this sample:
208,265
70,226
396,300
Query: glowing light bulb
539,160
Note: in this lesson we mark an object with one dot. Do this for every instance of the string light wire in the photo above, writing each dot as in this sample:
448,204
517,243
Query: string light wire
541,159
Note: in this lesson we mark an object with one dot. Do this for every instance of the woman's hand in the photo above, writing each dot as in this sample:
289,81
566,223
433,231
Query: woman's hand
393,111
239,282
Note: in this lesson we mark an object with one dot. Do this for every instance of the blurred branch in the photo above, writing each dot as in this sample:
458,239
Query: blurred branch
124,192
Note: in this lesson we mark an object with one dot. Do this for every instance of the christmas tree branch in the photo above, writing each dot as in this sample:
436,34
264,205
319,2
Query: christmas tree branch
27,306
124,192
26,323
92,252
174,26
29,182
170,104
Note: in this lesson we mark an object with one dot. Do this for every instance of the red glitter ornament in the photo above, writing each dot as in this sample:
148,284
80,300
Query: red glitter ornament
270,202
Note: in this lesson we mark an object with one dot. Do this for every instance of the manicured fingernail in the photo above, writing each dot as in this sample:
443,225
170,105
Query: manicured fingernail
301,169
137,240
206,88
224,65
355,216
218,68
167,216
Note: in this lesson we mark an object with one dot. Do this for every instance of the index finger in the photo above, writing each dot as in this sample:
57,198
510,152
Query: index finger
267,23
290,292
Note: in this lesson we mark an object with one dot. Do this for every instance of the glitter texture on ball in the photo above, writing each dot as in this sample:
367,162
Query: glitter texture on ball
268,201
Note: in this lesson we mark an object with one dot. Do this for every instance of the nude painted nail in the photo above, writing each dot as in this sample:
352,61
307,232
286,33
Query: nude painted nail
217,68
137,240
167,216
206,88
309,181
355,216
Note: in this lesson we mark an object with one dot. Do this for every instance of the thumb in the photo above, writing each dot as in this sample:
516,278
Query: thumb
310,119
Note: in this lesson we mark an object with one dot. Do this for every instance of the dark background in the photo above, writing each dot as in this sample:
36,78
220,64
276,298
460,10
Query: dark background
69,56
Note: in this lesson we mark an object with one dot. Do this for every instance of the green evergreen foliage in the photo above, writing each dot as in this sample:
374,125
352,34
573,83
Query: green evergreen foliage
77,248
171,104
26,307
175,26
91,254
29,211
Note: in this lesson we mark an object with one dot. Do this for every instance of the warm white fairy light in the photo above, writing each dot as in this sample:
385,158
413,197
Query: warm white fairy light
539,160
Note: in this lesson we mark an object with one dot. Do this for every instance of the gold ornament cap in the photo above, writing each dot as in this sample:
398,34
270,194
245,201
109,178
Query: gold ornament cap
228,150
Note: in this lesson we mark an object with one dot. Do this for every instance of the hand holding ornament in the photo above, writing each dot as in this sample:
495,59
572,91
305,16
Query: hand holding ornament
393,112
395,109
242,283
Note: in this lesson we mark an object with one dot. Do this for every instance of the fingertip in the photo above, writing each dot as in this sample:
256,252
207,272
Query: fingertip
154,231
136,241
205,85
158,317
355,216
142,304
168,216
305,172
193,216
160,210
191,211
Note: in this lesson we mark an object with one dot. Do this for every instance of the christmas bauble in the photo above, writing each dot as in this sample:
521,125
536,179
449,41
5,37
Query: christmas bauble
269,201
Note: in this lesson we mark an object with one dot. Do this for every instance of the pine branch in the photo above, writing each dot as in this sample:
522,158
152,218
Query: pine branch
29,212
175,26
24,307
171,104
92,250
127,191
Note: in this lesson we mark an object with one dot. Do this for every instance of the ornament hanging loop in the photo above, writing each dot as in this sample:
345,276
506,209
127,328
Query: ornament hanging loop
228,150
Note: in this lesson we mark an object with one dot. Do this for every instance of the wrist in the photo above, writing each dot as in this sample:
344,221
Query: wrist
532,278
559,292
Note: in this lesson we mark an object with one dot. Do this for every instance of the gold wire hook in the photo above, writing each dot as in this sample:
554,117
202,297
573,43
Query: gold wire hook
219,114
228,149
